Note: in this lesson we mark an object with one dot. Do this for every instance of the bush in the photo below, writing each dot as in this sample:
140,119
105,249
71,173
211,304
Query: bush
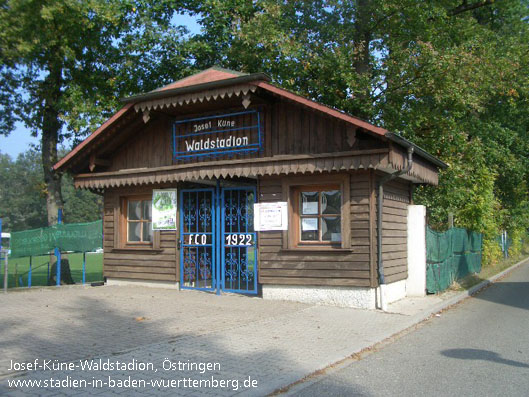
492,253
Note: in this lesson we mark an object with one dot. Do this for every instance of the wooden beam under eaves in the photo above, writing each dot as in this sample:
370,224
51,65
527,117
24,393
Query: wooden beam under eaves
94,161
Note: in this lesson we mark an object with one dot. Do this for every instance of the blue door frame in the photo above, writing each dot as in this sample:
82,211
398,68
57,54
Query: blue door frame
218,244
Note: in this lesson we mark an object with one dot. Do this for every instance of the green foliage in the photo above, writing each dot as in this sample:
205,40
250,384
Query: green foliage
518,238
101,50
23,203
65,64
80,206
465,189
449,75
491,252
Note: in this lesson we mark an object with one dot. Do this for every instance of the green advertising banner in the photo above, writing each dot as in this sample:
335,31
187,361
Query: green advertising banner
78,237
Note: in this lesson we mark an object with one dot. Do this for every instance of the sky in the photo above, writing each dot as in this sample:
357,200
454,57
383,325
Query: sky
20,140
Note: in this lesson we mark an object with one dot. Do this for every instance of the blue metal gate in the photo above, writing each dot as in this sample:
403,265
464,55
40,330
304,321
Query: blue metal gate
197,239
217,239
239,241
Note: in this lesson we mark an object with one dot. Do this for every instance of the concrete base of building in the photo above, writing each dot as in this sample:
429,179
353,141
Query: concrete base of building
143,283
358,297
393,292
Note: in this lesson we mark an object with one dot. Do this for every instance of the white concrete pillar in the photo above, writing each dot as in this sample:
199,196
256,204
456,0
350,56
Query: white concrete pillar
416,282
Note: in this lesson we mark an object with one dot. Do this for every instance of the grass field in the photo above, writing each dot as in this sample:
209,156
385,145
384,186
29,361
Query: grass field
19,269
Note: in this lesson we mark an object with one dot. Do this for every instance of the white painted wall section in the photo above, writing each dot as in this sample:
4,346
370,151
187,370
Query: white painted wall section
416,282
363,298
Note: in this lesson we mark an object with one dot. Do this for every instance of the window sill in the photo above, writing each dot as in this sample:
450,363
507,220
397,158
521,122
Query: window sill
147,250
326,250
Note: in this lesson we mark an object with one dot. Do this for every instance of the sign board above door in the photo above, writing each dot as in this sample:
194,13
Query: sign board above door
218,135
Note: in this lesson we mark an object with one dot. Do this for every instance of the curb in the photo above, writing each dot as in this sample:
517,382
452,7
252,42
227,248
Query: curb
315,377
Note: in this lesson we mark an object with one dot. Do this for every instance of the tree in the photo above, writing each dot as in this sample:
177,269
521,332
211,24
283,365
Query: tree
64,65
80,205
448,74
23,203
451,75
21,189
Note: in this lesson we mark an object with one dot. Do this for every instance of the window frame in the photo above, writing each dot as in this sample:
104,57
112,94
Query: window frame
292,186
124,230
297,216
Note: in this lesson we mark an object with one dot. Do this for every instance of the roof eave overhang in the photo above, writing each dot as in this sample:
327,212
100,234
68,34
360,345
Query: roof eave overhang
197,87
418,150
65,162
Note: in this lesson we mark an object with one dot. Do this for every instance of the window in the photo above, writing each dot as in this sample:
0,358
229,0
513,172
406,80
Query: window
138,218
319,215
318,212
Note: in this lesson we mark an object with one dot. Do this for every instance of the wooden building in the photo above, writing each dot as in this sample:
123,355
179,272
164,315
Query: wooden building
226,140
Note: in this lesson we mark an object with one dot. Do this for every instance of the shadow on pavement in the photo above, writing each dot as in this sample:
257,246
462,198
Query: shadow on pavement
90,329
333,386
478,354
514,294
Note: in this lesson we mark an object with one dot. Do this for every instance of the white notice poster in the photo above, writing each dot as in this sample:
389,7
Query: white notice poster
270,216
309,224
310,208
164,209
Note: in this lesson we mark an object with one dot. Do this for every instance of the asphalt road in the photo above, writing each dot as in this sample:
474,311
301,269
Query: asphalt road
477,348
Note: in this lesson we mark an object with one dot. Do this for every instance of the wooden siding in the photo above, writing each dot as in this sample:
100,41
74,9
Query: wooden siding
278,264
350,267
290,129
397,195
150,147
158,264
295,141
296,130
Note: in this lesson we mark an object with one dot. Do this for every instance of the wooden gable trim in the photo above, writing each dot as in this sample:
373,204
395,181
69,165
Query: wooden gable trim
66,159
191,98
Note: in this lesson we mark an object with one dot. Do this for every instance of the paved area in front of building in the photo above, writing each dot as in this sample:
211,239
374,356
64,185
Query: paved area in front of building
478,348
204,344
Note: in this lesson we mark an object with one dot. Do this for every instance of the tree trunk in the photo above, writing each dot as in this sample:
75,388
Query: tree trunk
51,126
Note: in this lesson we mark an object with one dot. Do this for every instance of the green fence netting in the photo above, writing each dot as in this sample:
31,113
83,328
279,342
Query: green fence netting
450,256
78,237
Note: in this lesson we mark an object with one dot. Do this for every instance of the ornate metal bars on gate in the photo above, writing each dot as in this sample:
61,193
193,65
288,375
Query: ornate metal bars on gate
238,241
197,239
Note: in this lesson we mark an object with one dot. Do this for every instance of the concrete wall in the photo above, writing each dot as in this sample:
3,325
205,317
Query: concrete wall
416,281
391,293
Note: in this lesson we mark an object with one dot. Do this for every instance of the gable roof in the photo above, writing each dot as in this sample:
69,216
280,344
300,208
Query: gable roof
216,77
214,73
